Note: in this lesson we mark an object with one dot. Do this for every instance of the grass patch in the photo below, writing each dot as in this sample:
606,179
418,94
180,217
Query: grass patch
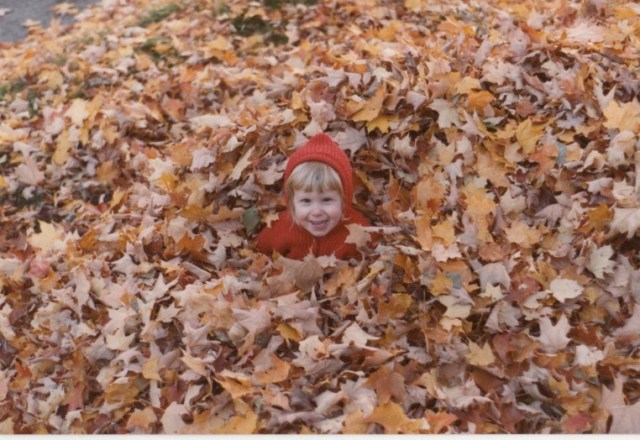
247,26
157,15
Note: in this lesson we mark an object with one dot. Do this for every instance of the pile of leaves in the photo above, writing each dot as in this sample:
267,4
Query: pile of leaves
496,148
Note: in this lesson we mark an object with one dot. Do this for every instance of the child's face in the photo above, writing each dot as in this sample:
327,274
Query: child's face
317,212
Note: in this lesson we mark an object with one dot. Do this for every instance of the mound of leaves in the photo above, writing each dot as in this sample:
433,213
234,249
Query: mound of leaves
496,148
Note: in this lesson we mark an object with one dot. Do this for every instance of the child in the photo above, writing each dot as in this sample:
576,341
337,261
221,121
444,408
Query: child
319,191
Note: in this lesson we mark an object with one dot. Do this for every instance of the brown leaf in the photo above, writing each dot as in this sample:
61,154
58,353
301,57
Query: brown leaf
387,384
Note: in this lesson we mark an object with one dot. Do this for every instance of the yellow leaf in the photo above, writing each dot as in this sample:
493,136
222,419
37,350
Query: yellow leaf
236,384
47,239
481,357
393,419
107,172
142,419
277,372
288,332
372,107
445,231
53,78
440,284
194,363
63,146
123,393
206,423
623,116
240,425
528,135
167,182
397,306
479,206
6,426
382,123
220,43
523,234
78,112
625,13
467,84
355,423
150,369
117,197
414,5
479,100
424,235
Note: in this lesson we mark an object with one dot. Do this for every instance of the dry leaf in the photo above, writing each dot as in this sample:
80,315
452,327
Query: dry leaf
564,289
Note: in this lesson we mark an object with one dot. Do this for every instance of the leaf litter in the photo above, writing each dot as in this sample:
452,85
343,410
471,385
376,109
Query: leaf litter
496,147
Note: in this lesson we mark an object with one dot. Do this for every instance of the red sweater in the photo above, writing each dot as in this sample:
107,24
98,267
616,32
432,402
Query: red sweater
292,241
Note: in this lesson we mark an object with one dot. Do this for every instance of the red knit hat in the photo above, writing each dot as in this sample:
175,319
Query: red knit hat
321,148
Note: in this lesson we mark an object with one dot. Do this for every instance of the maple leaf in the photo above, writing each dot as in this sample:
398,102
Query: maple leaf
481,356
623,117
554,337
563,289
393,419
358,235
172,422
493,274
387,384
48,239
447,114
372,107
631,328
625,419
585,32
599,261
28,172
529,135
625,221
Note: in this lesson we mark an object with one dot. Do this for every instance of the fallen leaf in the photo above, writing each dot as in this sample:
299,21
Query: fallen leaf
564,289
393,419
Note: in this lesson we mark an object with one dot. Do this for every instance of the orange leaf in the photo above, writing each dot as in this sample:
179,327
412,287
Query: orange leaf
439,421
151,368
236,384
393,419
277,372
387,384
479,100
623,116
372,107
142,419
397,306
528,135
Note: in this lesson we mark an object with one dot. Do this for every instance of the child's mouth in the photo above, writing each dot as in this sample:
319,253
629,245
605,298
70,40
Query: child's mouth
318,224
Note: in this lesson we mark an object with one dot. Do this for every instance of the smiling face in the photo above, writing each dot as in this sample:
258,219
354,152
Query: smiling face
317,211
315,197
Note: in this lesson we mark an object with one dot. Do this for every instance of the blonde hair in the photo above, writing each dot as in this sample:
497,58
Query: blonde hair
313,176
